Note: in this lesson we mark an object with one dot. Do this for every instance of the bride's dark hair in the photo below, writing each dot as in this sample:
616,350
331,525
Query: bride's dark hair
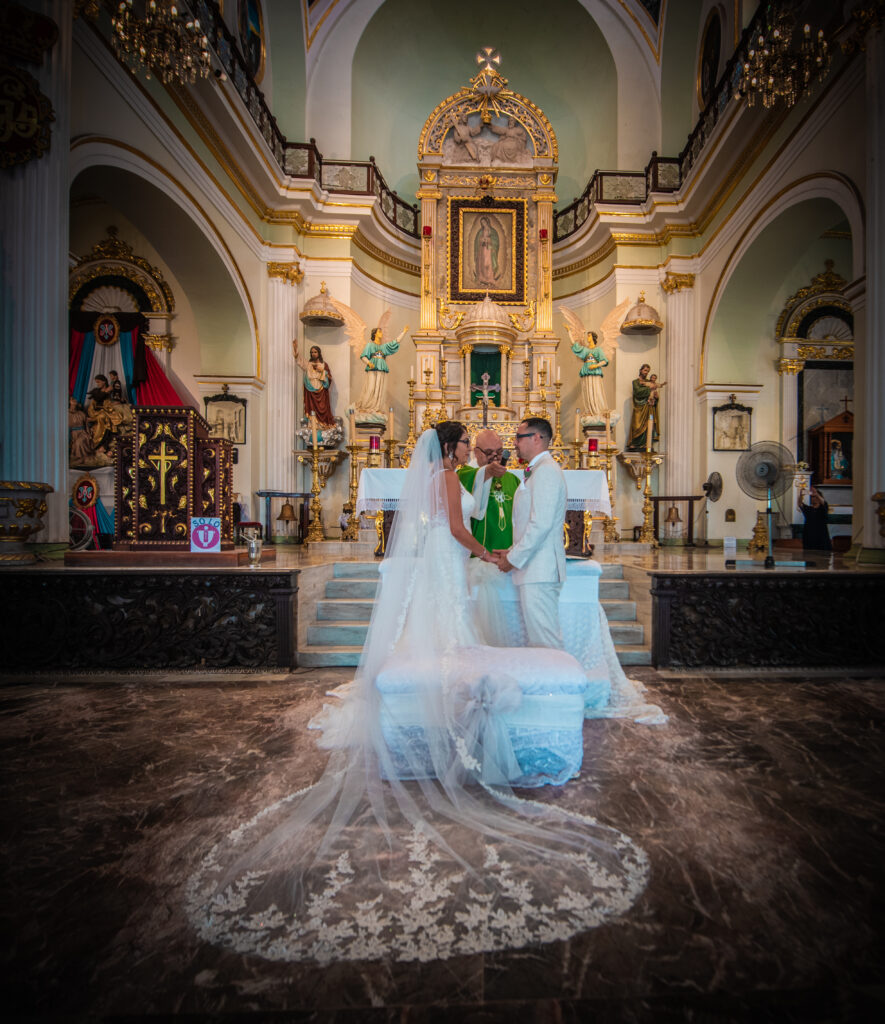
449,433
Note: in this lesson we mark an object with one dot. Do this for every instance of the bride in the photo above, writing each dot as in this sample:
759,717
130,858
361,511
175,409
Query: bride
413,845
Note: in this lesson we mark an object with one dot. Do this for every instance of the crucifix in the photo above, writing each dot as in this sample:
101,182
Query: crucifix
162,464
484,391
846,400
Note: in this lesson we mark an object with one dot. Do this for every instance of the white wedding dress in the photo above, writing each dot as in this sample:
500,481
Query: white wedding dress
413,845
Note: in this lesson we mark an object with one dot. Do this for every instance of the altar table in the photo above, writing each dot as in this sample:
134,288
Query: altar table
586,490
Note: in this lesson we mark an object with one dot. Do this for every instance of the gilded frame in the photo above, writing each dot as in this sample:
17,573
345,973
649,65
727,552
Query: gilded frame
245,8
487,249
226,417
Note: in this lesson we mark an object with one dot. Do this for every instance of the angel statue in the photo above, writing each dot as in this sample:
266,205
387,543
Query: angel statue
595,356
370,403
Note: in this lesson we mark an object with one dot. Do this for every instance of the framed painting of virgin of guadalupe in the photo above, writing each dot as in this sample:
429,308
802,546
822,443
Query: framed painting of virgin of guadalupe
487,250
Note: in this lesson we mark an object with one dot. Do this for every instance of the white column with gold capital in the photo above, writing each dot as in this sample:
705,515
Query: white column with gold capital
681,375
282,375
34,279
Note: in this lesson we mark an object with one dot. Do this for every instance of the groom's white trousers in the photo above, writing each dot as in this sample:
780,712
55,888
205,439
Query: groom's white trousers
539,604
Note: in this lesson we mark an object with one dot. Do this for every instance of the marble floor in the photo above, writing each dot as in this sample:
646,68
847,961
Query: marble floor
760,805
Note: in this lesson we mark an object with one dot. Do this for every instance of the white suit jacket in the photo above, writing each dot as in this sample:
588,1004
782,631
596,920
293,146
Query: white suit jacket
538,555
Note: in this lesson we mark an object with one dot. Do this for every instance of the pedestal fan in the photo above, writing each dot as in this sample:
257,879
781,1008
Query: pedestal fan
712,488
765,471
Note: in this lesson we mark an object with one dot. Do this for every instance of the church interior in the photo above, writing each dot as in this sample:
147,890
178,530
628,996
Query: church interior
251,250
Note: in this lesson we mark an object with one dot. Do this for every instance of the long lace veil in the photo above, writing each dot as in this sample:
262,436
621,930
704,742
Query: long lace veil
381,858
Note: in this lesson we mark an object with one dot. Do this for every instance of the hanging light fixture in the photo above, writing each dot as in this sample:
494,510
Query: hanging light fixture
772,70
156,37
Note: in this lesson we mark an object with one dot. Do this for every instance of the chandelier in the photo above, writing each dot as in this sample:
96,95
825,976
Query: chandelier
160,39
773,70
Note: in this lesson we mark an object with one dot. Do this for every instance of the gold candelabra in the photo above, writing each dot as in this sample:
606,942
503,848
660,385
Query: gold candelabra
322,465
352,530
611,535
649,460
390,444
527,386
557,407
542,389
411,438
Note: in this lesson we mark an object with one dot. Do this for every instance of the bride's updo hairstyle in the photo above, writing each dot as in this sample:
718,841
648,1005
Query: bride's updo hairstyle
449,433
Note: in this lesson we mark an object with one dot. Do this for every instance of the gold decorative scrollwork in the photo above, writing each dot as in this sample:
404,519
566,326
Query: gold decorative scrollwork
291,273
677,282
826,352
525,321
449,320
790,366
114,257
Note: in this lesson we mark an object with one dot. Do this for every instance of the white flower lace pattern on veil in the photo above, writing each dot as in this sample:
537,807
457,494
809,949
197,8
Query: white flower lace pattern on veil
412,845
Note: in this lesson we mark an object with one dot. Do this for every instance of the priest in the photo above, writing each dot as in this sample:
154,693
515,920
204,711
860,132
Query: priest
493,488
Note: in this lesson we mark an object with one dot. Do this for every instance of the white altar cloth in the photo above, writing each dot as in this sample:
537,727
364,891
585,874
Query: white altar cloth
586,490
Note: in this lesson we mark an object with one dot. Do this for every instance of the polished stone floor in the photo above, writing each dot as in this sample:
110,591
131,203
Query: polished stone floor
760,805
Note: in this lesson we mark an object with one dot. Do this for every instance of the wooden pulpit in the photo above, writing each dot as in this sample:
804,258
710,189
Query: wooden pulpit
168,471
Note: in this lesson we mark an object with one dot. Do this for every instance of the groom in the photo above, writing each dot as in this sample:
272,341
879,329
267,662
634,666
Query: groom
537,557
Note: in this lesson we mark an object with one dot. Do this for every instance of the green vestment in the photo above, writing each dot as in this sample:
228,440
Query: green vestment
495,530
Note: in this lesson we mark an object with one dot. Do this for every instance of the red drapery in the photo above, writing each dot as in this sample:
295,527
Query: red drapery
156,389
74,364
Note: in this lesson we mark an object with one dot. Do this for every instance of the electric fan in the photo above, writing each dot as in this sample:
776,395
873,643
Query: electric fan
763,472
712,488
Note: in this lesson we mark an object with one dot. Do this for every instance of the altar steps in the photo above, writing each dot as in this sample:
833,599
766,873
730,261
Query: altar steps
338,630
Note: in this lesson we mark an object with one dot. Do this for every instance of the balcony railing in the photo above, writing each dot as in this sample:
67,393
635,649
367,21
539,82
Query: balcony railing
300,159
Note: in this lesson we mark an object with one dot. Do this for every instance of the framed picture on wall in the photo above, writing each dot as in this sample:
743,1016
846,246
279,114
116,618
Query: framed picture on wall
250,22
731,427
487,249
226,416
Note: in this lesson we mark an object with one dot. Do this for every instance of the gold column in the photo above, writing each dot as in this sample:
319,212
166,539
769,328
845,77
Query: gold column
428,195
544,202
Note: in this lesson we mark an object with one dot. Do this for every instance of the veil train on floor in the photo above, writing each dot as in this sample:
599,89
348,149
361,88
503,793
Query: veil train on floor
413,845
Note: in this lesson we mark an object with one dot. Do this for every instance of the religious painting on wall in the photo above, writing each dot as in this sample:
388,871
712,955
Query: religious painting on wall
226,416
708,62
731,427
487,243
250,22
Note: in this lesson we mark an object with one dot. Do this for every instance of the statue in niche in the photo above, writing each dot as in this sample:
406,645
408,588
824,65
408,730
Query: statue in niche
595,356
511,146
463,135
370,405
317,381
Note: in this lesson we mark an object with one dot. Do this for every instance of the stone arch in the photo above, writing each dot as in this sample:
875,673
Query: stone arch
191,244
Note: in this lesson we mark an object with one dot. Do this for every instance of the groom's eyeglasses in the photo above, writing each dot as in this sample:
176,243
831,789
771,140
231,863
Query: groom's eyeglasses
521,437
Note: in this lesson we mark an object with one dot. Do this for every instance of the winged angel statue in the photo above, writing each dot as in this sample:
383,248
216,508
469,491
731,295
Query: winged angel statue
595,355
370,404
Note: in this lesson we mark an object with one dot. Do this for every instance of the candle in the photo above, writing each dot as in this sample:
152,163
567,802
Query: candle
352,429
577,423
608,427
558,375
411,373
313,429
375,443
390,423
649,431
526,355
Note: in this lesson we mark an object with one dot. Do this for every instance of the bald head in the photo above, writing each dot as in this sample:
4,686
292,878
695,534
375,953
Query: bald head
487,446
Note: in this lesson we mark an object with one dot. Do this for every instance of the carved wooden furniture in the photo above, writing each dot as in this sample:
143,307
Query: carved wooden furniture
168,471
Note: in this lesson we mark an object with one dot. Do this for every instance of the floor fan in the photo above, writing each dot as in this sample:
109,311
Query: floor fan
712,488
764,472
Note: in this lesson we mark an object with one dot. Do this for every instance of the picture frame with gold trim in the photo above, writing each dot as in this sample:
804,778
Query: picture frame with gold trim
487,249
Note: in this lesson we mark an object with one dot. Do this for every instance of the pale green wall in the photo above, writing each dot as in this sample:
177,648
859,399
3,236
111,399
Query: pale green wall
284,85
412,56
679,74
784,258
